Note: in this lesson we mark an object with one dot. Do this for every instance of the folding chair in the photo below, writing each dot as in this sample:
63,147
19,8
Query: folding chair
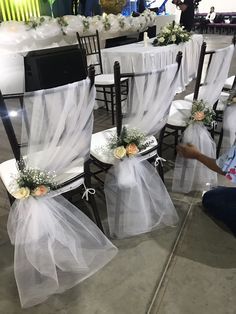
104,83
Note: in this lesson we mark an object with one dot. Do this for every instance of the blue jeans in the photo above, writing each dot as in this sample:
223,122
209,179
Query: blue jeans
221,204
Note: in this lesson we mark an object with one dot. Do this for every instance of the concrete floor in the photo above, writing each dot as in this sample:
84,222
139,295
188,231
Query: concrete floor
183,270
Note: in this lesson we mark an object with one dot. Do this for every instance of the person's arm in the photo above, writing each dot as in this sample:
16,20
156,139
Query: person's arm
190,151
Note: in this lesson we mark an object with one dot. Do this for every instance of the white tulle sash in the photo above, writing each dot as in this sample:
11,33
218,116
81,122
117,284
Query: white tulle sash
56,247
137,200
190,174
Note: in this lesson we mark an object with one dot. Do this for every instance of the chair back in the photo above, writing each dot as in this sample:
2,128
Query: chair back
45,112
54,67
91,45
209,86
149,99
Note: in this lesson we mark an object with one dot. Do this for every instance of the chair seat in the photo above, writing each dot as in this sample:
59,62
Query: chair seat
229,82
8,169
180,112
221,102
106,79
98,147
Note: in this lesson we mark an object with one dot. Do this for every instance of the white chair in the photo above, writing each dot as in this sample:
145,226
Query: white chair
56,245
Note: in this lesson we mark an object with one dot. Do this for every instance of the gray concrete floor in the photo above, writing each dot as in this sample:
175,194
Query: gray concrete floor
183,270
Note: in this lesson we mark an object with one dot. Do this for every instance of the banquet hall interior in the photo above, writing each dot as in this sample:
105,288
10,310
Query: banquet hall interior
187,266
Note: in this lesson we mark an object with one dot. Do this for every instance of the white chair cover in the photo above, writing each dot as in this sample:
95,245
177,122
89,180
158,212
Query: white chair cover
137,200
216,75
190,175
229,127
56,245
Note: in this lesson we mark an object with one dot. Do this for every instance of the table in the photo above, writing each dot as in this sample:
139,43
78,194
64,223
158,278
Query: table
138,58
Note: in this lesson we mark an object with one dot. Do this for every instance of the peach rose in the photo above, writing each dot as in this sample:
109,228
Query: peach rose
119,152
199,115
131,149
22,193
40,190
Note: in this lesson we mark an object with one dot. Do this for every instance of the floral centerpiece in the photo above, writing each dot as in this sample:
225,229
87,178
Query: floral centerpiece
112,6
32,182
202,113
171,34
128,144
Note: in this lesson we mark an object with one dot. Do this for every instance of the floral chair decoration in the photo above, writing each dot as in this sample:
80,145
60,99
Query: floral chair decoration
137,200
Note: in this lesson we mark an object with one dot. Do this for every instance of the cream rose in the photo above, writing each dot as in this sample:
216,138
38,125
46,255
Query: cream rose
40,190
119,152
161,40
22,193
132,149
173,38
199,116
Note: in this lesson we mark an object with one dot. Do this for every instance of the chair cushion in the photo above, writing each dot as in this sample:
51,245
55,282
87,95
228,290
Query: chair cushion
8,169
229,82
106,79
100,151
180,112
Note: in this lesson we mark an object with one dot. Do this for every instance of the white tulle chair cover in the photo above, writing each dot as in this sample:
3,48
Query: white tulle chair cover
56,245
190,174
216,75
229,127
137,200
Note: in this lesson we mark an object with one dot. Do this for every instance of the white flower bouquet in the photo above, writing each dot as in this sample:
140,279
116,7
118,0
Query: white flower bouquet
171,34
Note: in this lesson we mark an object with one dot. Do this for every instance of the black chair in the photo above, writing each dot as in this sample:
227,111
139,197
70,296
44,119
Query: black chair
104,82
54,67
103,161
181,109
13,129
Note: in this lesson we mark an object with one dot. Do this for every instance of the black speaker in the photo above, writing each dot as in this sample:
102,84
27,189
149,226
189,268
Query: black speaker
54,67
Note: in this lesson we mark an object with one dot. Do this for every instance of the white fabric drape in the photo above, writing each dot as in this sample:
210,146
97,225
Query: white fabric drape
137,200
56,245
190,175
216,75
229,127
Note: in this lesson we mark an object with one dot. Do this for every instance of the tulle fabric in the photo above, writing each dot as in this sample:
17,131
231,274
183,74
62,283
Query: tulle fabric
190,174
229,128
137,200
216,75
56,245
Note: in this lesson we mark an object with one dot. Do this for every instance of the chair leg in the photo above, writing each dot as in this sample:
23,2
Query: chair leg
112,106
219,143
92,198
105,98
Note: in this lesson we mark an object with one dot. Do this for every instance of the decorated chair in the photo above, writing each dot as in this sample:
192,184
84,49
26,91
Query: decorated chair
56,245
137,200
190,174
210,90
104,83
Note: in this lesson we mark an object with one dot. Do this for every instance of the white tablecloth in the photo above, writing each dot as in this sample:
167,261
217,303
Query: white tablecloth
137,58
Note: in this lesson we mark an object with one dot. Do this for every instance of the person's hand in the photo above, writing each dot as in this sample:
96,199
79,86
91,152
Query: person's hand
188,151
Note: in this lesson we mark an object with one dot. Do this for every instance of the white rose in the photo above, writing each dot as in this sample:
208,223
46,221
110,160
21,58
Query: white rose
22,193
173,38
161,40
